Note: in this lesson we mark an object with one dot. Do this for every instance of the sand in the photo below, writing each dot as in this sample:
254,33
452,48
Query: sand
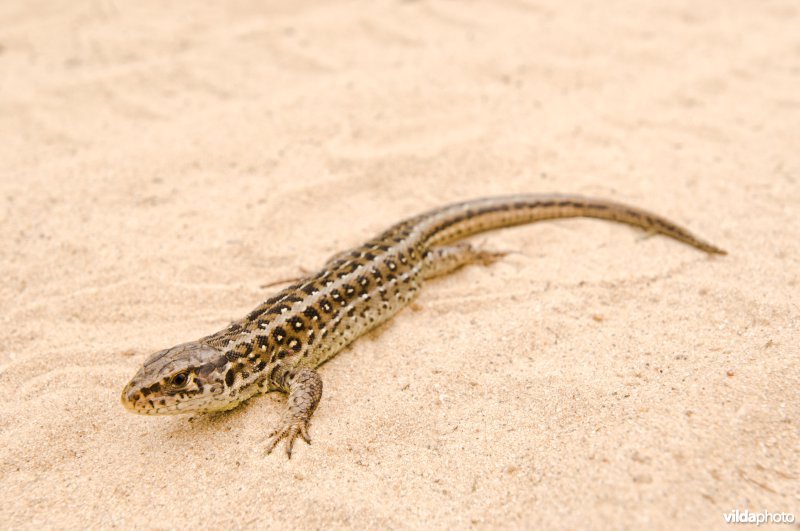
161,163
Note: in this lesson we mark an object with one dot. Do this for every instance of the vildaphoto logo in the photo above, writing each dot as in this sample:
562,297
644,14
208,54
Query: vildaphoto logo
762,517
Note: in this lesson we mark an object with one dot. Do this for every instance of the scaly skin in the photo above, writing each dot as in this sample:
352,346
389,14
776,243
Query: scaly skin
278,345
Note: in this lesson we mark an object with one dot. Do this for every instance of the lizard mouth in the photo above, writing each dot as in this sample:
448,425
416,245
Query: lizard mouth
130,398
136,400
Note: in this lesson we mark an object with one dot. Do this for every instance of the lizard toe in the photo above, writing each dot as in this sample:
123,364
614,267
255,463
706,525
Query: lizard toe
290,430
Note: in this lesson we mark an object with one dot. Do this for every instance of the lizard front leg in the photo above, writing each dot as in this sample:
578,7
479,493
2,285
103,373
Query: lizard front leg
304,386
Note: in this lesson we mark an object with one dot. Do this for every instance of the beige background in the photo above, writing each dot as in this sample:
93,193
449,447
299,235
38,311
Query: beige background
160,163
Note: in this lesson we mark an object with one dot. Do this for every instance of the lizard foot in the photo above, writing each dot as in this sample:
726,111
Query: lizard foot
487,258
290,430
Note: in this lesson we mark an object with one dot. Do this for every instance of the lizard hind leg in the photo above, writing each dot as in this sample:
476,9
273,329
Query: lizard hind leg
443,260
305,391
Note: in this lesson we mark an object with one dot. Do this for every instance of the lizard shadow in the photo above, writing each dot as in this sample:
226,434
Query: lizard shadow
214,423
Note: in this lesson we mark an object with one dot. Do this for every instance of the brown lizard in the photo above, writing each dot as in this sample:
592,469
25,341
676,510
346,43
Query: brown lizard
279,345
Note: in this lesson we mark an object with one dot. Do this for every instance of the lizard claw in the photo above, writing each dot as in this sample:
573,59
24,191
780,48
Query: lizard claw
290,430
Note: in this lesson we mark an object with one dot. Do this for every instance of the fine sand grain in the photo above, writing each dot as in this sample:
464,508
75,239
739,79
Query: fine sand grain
159,164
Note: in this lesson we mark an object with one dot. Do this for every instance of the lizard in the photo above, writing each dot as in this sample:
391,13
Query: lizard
279,345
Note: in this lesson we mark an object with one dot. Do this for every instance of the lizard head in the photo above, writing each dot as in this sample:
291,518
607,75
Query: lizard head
184,379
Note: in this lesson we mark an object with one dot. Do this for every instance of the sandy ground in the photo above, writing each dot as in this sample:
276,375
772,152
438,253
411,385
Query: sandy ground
159,164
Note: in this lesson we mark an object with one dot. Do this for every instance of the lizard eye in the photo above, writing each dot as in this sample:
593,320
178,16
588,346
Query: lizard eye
180,379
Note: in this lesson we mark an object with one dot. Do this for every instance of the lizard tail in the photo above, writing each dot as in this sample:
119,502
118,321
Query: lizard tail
457,221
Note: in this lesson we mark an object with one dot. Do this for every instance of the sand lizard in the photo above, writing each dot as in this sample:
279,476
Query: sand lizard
278,345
